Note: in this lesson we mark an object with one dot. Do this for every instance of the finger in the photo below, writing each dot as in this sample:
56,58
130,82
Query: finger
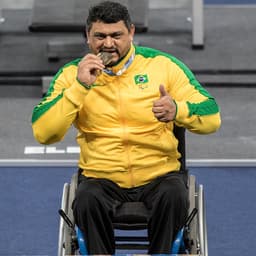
162,91
163,119
92,64
157,103
157,109
159,115
91,59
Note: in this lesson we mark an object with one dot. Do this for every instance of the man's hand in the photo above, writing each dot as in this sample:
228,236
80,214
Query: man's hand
88,68
164,108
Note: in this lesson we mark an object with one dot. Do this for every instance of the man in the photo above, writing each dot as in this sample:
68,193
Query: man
125,109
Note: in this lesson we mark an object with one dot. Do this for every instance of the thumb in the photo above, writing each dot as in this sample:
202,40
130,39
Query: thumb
162,91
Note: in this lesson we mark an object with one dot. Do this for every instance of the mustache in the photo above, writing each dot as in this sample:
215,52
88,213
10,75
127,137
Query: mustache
108,49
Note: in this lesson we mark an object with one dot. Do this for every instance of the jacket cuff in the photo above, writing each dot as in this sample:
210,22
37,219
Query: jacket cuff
182,111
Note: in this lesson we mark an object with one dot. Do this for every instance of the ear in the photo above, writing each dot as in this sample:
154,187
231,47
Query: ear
132,31
87,36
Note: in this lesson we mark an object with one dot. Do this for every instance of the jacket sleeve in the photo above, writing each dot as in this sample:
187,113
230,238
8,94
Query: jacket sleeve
197,110
57,111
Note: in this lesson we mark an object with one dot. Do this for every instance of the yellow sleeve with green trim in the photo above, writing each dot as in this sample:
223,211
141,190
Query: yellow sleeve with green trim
197,110
54,115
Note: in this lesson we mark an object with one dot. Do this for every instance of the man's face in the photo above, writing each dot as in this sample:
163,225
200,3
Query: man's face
114,38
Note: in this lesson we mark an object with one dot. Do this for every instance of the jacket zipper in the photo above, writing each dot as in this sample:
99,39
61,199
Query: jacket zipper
125,135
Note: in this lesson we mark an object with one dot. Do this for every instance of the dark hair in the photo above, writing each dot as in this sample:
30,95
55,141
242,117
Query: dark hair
108,12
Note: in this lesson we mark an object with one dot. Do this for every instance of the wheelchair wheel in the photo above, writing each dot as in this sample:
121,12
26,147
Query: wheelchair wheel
72,191
192,232
197,230
62,230
67,235
202,222
70,235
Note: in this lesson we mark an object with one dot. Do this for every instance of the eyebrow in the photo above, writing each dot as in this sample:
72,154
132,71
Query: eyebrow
118,33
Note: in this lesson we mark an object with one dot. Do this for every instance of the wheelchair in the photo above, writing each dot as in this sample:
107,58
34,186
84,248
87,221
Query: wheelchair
132,216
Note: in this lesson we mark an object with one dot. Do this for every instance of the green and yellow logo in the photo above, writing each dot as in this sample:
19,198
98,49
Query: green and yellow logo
141,79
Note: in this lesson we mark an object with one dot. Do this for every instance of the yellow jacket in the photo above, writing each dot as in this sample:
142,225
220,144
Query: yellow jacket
119,137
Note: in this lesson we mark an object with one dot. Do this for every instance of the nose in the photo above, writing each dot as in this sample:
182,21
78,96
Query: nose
108,42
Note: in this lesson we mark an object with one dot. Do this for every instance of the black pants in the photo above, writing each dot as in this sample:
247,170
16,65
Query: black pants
166,197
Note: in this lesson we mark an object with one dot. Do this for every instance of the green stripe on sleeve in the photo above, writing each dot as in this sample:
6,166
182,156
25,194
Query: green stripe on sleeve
207,107
43,106
151,53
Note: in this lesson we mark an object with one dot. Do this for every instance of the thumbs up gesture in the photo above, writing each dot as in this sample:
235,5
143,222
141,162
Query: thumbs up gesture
164,108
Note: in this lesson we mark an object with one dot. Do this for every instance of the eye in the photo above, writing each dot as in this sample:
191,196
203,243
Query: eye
100,37
117,35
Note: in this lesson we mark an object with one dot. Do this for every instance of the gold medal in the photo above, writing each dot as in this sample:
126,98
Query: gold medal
106,57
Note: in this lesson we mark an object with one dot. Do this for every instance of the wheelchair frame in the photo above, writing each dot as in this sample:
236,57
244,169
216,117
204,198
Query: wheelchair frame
196,231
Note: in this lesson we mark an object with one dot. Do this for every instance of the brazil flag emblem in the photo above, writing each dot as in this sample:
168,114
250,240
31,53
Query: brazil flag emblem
141,79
